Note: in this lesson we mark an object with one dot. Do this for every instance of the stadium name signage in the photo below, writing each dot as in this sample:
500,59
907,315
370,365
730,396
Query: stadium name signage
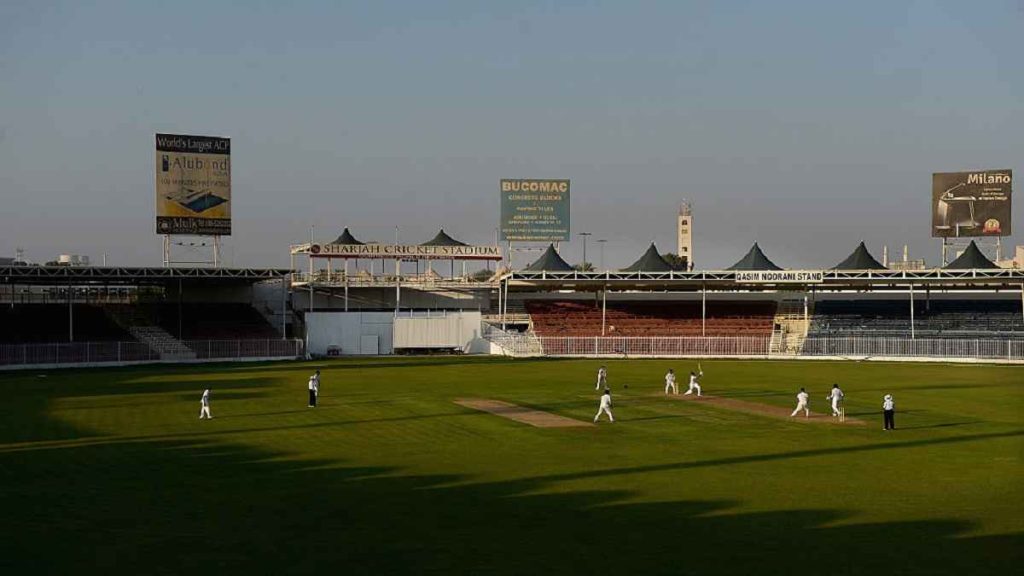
411,252
781,277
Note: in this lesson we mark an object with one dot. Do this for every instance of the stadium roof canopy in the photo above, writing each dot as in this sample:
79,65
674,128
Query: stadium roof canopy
549,261
442,239
971,259
860,259
346,237
651,261
754,260
56,275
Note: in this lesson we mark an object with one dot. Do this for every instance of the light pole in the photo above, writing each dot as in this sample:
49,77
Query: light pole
602,242
584,263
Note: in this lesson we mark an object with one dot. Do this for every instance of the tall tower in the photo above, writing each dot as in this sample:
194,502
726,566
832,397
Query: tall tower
684,234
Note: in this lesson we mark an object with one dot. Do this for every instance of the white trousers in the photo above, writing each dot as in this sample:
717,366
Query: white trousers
606,411
835,406
204,411
801,406
692,388
671,387
601,383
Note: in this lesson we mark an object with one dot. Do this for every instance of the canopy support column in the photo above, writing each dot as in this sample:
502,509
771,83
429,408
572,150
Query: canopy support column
703,309
604,308
285,282
346,284
912,334
71,313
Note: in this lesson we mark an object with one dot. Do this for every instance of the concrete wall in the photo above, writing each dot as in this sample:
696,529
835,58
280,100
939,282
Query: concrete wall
353,332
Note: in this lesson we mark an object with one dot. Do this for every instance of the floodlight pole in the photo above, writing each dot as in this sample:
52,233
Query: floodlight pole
584,235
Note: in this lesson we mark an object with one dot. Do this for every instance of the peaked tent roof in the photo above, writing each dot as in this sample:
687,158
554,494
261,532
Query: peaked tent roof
443,239
346,238
549,261
972,258
754,260
860,259
651,261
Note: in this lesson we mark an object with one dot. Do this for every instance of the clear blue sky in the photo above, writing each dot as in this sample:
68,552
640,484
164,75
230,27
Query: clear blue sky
804,125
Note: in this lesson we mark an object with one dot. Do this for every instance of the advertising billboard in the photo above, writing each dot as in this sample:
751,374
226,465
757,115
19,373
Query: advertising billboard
535,210
971,203
193,185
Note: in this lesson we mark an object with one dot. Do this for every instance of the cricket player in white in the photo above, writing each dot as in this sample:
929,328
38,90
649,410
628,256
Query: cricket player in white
602,378
694,383
606,406
801,404
204,411
314,389
670,382
836,396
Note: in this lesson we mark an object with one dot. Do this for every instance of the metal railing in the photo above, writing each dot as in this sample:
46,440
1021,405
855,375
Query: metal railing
87,353
1003,349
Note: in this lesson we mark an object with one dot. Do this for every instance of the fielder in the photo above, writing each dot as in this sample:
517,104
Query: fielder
204,403
801,404
670,382
314,389
606,406
602,378
694,383
836,396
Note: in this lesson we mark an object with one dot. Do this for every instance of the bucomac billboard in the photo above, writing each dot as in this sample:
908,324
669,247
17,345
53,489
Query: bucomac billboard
193,185
971,203
535,210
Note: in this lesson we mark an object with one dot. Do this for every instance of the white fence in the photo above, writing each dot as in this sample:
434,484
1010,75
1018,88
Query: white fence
758,346
948,348
85,353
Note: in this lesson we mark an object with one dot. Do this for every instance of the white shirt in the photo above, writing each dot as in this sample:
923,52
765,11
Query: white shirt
887,402
206,397
314,384
693,379
836,394
670,378
601,375
801,398
606,401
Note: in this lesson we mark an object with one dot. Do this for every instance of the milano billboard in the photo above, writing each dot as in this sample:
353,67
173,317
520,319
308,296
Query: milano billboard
971,203
535,210
193,185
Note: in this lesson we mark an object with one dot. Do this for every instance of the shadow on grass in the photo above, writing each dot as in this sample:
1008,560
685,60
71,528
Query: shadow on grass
186,506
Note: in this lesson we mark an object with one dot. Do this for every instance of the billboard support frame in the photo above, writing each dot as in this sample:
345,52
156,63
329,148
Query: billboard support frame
215,246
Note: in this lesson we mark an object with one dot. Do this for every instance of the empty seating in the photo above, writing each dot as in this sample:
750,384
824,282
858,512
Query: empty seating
48,323
934,319
214,321
575,318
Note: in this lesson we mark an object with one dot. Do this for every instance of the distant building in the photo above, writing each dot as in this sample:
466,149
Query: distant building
684,234
6,261
1016,262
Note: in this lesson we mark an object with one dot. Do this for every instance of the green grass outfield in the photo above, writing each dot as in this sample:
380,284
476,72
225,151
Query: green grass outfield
110,471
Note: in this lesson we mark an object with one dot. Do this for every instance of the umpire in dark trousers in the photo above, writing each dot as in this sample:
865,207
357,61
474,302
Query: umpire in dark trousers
314,388
888,413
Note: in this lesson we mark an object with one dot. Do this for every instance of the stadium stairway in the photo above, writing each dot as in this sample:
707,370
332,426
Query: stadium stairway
790,327
142,327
